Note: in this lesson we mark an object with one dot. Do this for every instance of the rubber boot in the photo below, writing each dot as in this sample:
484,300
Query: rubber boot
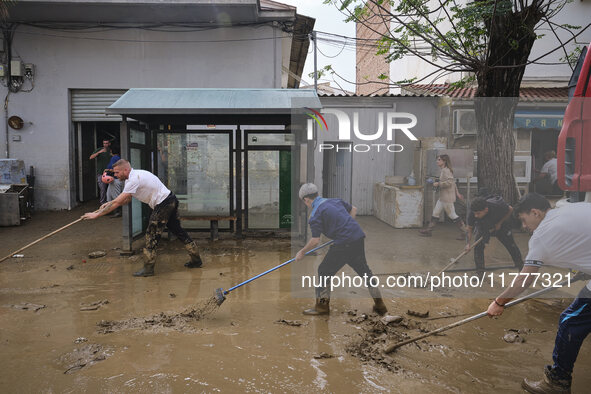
149,263
148,270
379,307
549,385
193,250
321,307
460,224
428,231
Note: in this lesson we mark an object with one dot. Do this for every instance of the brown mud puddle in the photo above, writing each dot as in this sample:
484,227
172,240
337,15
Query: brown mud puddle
378,332
84,356
179,321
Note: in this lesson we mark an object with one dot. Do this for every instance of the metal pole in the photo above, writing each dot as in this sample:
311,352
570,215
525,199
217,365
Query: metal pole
239,181
313,37
127,213
7,151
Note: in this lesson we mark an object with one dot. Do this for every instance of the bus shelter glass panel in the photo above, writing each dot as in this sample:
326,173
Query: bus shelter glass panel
263,189
269,189
265,139
137,137
196,167
136,205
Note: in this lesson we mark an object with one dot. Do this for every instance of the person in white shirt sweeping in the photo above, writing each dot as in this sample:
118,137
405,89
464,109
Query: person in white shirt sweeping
147,188
561,238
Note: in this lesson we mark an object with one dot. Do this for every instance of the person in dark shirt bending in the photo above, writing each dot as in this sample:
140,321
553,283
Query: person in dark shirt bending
489,216
335,219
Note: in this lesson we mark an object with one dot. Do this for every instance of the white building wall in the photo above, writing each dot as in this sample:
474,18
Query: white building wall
555,73
577,13
120,59
372,167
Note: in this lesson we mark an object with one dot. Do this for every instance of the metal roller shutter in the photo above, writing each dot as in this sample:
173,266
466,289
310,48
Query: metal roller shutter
88,105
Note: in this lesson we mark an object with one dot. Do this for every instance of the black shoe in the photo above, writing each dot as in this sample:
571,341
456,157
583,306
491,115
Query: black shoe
194,263
115,214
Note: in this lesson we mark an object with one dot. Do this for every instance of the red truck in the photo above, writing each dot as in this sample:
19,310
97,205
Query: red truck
574,141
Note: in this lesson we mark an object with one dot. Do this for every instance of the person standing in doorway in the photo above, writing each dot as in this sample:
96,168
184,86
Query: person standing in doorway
547,178
115,185
102,156
147,188
447,197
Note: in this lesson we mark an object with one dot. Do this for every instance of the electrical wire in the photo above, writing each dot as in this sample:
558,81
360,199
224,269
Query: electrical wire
155,41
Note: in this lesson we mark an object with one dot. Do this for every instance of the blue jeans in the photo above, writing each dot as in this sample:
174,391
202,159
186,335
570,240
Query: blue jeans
574,325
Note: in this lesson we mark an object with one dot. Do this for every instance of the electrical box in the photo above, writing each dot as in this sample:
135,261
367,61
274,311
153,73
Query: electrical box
29,70
16,68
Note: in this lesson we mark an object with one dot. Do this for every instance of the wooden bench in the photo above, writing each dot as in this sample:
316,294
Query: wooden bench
213,223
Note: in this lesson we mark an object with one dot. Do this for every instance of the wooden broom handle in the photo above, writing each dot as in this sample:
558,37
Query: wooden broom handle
41,239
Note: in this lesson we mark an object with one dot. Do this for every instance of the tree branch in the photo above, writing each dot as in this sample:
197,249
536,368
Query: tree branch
547,53
562,45
430,40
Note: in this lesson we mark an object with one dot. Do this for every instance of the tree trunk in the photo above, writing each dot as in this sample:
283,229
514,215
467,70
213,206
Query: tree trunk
512,37
496,145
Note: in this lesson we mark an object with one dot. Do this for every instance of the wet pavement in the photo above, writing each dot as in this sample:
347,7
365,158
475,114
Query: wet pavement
55,303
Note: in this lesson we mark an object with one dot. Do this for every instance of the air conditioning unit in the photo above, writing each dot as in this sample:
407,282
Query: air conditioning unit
464,121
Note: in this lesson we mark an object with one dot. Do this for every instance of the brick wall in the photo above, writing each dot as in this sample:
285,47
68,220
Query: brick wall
369,65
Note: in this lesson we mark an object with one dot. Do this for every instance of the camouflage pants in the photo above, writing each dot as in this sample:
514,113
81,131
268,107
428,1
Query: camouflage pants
164,215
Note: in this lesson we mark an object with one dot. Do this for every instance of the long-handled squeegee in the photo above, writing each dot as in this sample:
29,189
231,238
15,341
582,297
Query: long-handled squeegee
394,346
220,294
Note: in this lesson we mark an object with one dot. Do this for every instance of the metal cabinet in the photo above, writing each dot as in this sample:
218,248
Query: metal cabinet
15,204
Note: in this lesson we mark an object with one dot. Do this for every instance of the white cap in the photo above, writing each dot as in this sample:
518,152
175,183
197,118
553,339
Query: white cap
307,189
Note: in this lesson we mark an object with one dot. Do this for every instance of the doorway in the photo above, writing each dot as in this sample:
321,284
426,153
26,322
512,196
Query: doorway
88,137
268,176
542,141
337,170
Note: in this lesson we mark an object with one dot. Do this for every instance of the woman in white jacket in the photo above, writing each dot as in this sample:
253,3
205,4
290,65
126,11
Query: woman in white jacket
447,197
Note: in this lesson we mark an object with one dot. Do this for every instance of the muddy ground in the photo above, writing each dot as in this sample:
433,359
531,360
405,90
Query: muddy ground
71,323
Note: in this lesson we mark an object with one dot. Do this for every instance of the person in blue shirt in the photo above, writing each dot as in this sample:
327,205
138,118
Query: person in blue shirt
115,156
335,219
115,186
102,156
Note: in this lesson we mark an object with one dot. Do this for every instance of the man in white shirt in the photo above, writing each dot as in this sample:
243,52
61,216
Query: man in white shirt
561,238
147,188
547,179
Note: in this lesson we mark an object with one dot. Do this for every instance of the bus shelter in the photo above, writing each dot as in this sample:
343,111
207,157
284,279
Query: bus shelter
230,155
